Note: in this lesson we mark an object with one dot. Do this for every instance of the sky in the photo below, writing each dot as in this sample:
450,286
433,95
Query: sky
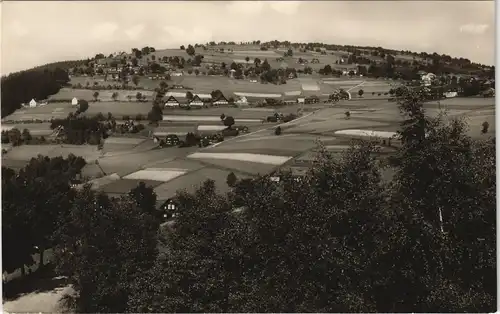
36,33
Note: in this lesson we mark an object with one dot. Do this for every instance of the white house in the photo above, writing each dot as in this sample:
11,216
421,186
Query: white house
32,103
301,100
74,101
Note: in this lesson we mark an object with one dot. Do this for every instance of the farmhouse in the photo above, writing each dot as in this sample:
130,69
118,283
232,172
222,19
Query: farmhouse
221,101
32,103
301,100
172,102
312,99
196,102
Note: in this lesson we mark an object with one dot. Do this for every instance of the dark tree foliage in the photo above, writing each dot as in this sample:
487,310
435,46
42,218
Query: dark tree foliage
424,242
145,198
34,202
21,87
105,245
80,130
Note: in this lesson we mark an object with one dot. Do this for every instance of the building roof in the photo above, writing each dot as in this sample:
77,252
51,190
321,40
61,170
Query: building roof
221,97
204,96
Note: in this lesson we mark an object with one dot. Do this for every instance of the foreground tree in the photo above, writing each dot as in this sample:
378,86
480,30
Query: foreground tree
105,245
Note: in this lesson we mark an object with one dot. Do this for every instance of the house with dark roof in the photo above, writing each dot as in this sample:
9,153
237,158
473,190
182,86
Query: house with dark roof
221,100
196,102
172,102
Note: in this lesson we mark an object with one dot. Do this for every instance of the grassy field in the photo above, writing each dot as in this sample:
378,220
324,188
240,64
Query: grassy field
54,110
119,108
26,152
206,84
193,180
144,83
124,186
36,129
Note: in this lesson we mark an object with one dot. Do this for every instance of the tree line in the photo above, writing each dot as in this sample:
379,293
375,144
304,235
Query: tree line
421,240
21,87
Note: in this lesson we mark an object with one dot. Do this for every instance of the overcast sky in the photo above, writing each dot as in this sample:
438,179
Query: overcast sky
35,33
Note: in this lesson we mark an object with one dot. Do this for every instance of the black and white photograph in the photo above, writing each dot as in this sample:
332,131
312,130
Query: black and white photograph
248,156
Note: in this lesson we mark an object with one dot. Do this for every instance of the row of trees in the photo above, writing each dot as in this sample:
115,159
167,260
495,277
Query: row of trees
422,240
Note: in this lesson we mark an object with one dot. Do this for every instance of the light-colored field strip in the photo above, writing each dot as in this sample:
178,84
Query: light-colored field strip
310,87
242,61
271,137
176,94
260,109
211,127
293,93
258,158
99,182
204,118
123,140
156,174
366,133
164,133
337,147
262,95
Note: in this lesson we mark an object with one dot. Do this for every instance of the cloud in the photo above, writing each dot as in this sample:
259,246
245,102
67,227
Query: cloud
474,29
135,31
103,31
245,7
285,7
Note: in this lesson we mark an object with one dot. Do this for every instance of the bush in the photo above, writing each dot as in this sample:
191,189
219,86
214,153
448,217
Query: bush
126,117
277,131
485,128
139,117
140,127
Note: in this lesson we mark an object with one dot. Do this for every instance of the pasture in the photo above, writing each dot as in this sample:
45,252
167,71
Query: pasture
47,112
35,129
144,82
26,152
191,181
255,158
123,186
118,108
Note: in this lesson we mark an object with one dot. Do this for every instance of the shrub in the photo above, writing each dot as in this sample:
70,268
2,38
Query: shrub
277,131
140,127
126,117
139,117
485,128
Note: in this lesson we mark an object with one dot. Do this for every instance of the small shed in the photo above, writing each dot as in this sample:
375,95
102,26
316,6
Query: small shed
301,100
33,103
74,101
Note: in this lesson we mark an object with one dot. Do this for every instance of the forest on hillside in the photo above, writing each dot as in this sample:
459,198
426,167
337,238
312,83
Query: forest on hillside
38,83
